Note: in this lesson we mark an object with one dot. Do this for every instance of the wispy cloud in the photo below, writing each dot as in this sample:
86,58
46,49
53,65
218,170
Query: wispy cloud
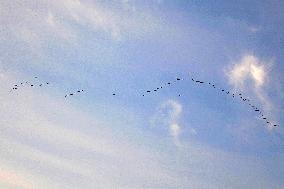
43,131
9,178
63,20
168,114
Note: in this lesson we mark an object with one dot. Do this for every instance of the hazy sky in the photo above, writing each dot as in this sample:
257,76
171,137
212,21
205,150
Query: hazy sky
200,139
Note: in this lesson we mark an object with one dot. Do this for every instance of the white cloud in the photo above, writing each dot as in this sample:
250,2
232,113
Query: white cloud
174,130
251,75
248,68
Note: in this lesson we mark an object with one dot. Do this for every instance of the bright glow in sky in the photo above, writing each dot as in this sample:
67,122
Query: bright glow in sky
184,136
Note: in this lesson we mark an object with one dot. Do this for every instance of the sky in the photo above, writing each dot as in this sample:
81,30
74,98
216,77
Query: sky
184,136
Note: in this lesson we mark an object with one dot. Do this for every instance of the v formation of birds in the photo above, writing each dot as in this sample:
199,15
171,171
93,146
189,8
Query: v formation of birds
233,95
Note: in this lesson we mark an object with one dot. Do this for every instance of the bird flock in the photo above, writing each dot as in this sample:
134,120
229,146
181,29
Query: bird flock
233,95
23,84
157,89
73,93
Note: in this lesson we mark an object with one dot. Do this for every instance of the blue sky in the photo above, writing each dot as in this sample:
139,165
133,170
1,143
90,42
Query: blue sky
200,139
